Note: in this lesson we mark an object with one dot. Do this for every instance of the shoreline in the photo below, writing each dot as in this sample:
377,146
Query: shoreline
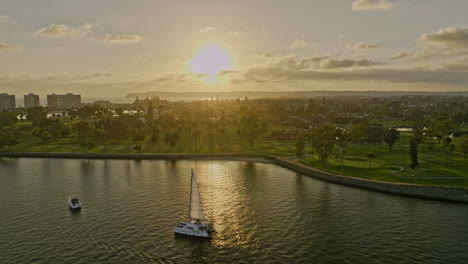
457,195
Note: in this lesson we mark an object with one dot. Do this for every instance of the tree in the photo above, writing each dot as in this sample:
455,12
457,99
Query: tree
367,133
300,145
119,111
390,137
375,133
446,143
464,146
357,132
88,111
44,135
444,128
413,152
451,149
222,131
7,119
154,134
150,110
82,128
197,134
138,135
342,138
36,115
430,136
324,139
8,138
370,156
250,127
311,106
87,143
171,138
101,134
86,134
138,147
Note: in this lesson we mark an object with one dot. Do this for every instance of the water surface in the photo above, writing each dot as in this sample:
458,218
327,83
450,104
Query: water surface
262,213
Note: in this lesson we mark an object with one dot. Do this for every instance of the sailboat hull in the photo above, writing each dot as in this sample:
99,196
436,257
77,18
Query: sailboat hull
193,229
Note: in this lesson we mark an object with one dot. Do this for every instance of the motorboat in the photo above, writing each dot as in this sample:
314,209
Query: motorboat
74,203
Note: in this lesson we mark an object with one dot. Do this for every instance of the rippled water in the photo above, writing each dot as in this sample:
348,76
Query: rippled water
262,213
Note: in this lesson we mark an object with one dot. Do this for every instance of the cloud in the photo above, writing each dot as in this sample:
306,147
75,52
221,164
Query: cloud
417,75
300,44
461,65
6,20
327,69
451,37
298,64
207,29
347,63
365,46
11,47
124,38
227,72
400,55
320,62
179,78
372,5
439,53
97,75
64,31
445,43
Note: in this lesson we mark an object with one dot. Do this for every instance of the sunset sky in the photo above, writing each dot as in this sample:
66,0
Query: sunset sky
109,48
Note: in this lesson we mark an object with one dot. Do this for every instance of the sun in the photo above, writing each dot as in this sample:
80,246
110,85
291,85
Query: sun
210,60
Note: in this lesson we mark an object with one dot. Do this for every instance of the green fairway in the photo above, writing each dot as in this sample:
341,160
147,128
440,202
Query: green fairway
388,164
385,167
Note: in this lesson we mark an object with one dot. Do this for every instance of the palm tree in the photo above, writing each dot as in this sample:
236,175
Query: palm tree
197,135
451,149
45,136
464,146
446,143
370,156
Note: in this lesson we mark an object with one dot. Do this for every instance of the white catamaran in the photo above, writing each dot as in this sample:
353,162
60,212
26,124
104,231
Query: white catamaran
196,226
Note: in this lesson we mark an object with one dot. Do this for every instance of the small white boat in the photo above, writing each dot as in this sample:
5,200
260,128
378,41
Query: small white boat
196,226
74,203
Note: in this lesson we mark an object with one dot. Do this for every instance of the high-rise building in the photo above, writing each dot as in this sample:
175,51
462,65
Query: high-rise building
7,102
31,100
63,100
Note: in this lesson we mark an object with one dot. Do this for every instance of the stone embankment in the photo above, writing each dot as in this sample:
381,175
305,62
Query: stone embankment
459,195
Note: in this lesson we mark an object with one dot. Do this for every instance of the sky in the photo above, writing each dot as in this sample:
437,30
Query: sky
108,48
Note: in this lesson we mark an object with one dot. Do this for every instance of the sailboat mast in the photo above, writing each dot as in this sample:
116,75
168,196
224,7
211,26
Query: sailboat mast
191,190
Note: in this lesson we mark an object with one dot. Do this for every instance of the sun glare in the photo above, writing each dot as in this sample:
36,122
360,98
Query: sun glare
210,60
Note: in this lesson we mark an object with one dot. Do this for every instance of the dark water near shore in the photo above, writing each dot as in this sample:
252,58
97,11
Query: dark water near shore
262,213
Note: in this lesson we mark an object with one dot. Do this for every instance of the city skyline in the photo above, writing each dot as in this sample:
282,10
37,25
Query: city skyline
114,47
10,102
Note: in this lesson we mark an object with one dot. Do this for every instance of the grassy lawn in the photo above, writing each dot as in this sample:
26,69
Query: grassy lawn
431,169
431,163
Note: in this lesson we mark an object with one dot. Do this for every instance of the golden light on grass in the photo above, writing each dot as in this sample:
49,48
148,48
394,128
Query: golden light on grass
210,60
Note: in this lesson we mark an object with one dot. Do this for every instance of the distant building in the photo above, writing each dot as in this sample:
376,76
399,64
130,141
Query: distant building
63,100
7,102
31,100
103,104
154,100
